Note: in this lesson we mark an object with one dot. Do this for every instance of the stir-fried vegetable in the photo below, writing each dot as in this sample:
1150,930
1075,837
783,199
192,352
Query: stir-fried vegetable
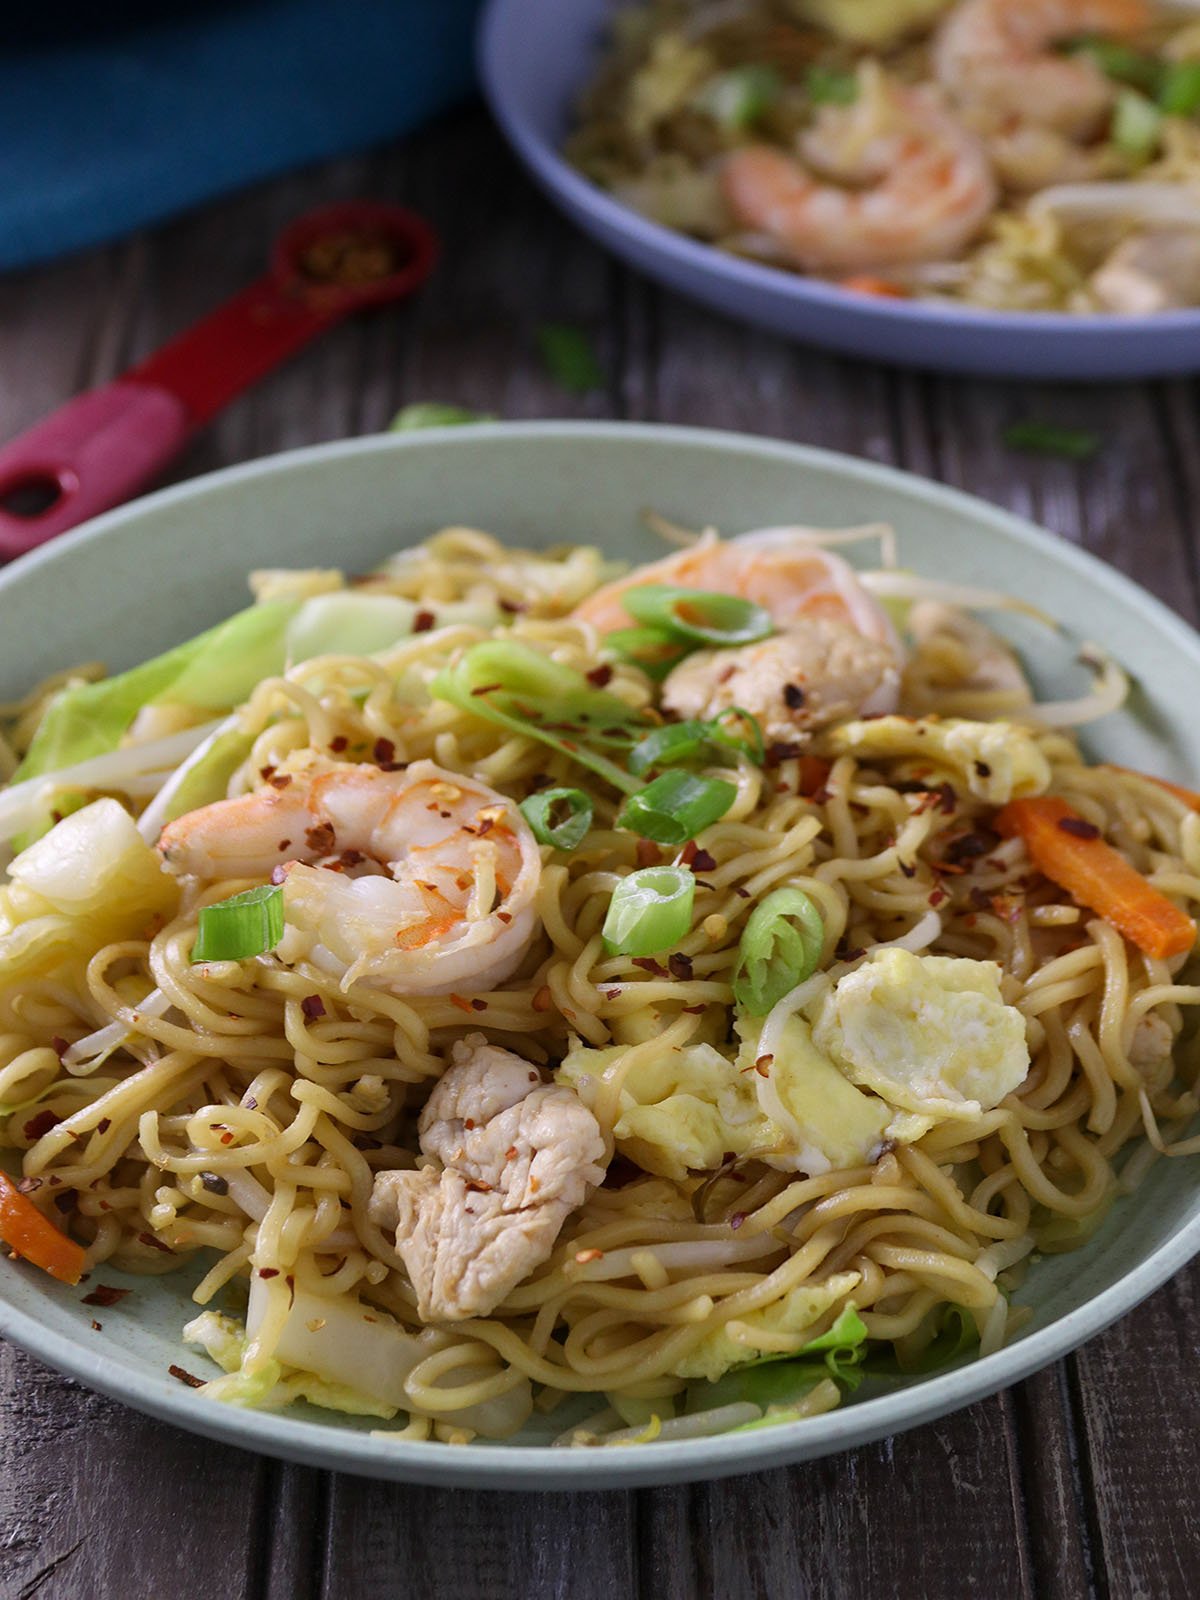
650,911
559,817
738,98
569,357
1051,439
654,651
771,1382
677,743
245,925
1137,125
26,1231
433,414
676,807
779,948
1070,851
522,690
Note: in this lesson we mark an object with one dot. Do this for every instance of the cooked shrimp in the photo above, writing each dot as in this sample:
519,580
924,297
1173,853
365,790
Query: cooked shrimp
996,56
781,569
917,183
419,881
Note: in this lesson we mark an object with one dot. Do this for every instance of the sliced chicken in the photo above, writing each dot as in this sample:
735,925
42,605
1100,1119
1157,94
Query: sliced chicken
1153,1040
1151,271
814,673
512,1158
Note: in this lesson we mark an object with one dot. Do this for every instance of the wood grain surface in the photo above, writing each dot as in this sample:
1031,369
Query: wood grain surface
1080,1482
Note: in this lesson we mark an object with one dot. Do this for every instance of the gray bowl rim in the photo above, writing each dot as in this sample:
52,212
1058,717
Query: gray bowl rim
561,179
541,1467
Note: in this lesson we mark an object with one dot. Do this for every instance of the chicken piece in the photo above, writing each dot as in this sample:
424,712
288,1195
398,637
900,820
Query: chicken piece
1151,271
1153,1041
809,675
514,1158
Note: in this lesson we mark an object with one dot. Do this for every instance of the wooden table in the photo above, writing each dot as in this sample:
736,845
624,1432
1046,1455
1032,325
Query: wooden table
1077,1483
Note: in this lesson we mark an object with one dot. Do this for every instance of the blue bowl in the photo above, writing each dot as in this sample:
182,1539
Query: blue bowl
535,55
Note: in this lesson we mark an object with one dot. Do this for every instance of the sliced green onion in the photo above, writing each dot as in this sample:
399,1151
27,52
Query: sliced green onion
569,357
1136,125
1121,63
676,807
669,745
1179,93
540,811
738,98
654,651
432,414
1048,439
650,911
752,745
247,925
780,947
827,86
526,692
698,615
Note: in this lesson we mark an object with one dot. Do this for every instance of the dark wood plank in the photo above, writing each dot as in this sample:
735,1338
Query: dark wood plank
96,1500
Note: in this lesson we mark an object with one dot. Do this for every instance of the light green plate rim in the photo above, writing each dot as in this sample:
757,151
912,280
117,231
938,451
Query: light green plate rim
1161,648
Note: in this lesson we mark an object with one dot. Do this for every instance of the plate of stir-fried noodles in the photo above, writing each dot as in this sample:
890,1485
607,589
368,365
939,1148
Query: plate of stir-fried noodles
997,186
576,954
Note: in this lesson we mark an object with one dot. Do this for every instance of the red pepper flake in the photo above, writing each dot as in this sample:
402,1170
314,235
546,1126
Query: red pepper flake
65,1202
512,608
703,862
350,858
504,916
1078,828
736,1220
982,769
320,838
312,1006
104,1294
214,1182
583,1257
338,743
488,688
462,1003
384,751
59,1045
41,1124
280,780
511,1153
689,853
184,1376
780,751
695,1011
423,621
947,798
96,1326
612,994
680,966
478,1005
650,965
149,1240
266,773
29,1185
648,854
793,696
227,1137
268,1272
937,896
600,676
104,1125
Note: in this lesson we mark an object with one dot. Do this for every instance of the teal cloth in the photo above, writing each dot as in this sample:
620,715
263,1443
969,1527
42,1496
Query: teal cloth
108,125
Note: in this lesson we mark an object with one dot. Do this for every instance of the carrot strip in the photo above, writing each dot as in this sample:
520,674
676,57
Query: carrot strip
25,1230
1188,796
868,283
1070,852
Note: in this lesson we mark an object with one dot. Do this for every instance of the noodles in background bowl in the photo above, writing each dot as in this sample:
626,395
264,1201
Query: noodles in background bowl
728,1266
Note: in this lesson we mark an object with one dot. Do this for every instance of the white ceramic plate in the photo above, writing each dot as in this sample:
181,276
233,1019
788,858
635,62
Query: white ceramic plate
141,579
534,58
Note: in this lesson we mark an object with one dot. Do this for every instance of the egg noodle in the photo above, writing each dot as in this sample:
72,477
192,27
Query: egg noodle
232,1119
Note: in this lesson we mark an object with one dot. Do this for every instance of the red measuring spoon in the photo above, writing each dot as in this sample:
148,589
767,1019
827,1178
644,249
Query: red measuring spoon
106,445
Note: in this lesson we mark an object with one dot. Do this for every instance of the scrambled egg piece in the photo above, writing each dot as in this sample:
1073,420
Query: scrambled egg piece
997,761
930,1034
796,1313
688,1110
872,22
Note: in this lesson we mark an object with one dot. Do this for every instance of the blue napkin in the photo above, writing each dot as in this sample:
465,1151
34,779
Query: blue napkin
105,126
